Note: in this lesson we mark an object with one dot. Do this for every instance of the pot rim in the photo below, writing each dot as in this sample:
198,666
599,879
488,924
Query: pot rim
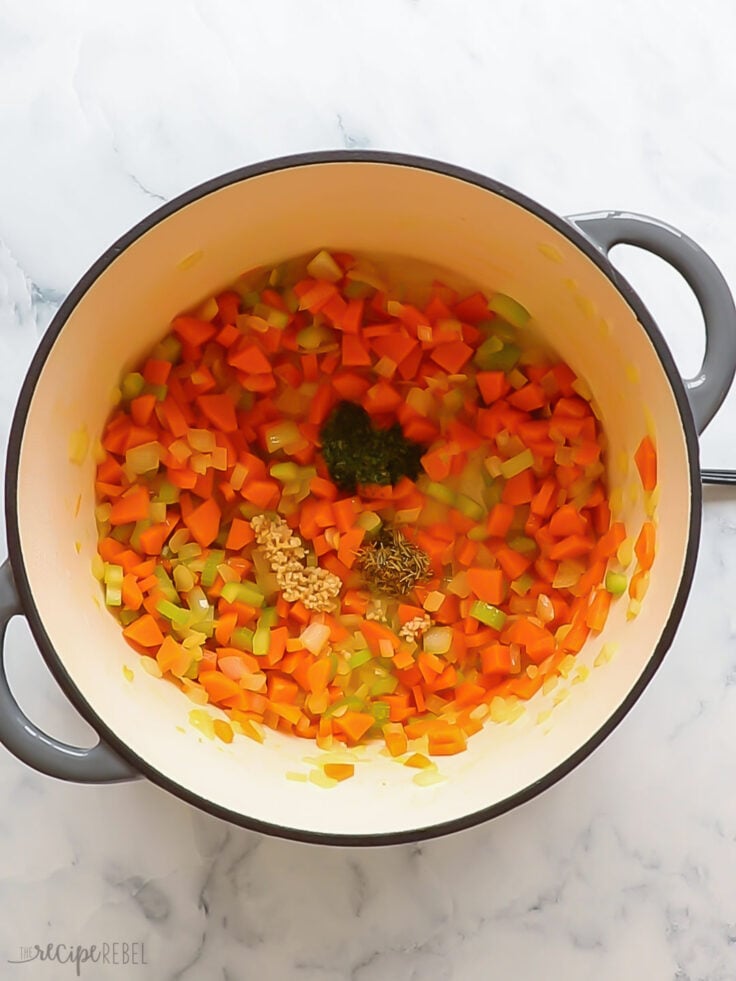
57,324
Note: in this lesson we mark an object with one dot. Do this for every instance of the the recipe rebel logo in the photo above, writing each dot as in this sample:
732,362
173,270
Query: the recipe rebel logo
116,953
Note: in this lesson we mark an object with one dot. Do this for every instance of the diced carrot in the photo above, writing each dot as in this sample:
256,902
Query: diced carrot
597,612
132,506
192,330
646,463
204,522
499,520
354,725
239,535
144,631
645,545
354,353
519,489
220,411
487,584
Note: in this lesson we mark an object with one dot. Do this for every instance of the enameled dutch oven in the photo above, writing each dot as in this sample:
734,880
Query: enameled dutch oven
369,203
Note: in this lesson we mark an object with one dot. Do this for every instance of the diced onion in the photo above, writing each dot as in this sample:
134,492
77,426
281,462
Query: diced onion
315,636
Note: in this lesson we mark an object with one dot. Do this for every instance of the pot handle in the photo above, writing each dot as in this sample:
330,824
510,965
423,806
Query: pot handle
29,743
707,389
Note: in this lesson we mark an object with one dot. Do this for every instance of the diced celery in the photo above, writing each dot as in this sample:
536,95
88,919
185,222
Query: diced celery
169,349
157,512
314,336
167,493
478,534
276,318
242,638
132,385
357,291
358,658
509,310
160,391
523,584
126,617
498,328
113,574
269,616
176,614
285,472
192,671
381,712
122,533
113,596
209,573
523,544
242,592
517,464
616,582
261,639
323,266
384,686
440,493
489,358
348,702
490,615
135,533
252,298
470,508
165,584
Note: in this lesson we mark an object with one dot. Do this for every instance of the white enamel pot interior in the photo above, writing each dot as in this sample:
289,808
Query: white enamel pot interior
368,204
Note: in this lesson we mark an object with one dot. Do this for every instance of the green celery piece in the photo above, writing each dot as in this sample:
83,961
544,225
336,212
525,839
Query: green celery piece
488,358
358,658
478,534
209,573
160,391
126,617
490,615
192,671
493,493
616,582
113,575
350,701
249,510
285,472
470,508
261,640
122,533
381,712
354,290
269,616
509,309
135,535
132,385
113,596
242,638
251,299
166,585
523,584
523,544
222,537
169,349
440,493
176,614
384,686
498,328
167,493
243,592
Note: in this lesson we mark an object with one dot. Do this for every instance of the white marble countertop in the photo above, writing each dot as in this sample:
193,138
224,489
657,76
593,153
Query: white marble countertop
625,869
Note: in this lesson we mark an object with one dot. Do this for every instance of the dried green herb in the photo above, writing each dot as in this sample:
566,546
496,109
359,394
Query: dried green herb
393,565
358,453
